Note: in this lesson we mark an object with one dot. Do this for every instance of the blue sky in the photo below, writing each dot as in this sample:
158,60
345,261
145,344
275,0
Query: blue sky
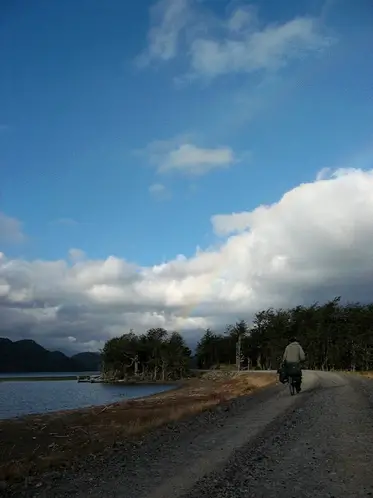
79,115
181,163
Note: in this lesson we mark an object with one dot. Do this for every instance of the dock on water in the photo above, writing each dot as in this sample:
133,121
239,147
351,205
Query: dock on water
90,378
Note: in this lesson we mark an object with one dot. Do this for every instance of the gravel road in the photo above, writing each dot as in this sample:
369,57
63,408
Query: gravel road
318,443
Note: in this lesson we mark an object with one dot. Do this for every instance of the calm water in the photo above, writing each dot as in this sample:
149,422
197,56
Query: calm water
19,398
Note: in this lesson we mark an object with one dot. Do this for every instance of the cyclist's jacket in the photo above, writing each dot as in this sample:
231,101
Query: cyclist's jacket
294,353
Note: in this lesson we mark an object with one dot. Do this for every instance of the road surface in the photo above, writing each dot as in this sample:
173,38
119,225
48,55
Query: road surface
318,443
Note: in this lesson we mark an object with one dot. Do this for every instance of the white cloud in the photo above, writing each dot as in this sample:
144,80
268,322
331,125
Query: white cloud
168,18
10,230
159,191
266,49
76,254
323,174
188,158
316,242
225,224
241,19
156,188
327,173
238,43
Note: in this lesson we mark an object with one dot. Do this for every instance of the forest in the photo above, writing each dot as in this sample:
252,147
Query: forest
335,336
156,355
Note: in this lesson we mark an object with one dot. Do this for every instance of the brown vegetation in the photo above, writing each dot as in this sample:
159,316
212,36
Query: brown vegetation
367,375
37,443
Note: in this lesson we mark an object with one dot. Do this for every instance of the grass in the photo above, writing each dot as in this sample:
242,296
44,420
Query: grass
367,374
34,444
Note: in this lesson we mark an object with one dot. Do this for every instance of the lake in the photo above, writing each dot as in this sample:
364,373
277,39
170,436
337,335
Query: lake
18,398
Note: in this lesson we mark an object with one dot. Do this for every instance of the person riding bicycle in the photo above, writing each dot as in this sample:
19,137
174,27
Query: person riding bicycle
292,359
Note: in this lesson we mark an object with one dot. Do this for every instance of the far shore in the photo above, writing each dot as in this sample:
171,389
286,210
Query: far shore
50,378
36,378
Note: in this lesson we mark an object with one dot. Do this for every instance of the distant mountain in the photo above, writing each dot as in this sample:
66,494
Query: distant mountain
90,362
28,356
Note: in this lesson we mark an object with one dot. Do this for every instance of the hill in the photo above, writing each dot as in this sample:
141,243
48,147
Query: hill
28,356
88,361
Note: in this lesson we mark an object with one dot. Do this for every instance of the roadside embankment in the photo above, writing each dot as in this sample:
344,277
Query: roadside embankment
34,444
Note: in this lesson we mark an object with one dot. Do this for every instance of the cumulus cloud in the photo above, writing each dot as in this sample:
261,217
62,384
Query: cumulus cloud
182,157
316,242
323,173
240,43
10,229
225,224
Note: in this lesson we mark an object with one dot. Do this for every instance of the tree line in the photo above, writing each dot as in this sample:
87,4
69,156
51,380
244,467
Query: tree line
156,355
333,335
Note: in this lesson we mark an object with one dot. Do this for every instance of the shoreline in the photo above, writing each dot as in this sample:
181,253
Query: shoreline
38,376
52,378
86,409
35,444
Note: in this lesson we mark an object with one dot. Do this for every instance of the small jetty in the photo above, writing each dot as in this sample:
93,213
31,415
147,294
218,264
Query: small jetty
93,379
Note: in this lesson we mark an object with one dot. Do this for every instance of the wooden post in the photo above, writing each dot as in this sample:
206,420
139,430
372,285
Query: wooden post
238,353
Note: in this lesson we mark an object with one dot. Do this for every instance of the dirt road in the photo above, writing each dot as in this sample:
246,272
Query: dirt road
318,443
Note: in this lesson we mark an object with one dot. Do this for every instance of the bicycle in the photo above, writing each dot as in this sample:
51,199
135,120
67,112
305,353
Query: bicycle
292,385
292,378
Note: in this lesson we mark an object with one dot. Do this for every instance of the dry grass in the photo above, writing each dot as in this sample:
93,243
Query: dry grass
368,375
37,443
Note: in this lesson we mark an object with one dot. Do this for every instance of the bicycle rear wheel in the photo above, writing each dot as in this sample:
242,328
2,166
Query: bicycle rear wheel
292,388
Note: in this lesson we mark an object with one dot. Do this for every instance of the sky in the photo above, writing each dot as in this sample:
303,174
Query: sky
181,163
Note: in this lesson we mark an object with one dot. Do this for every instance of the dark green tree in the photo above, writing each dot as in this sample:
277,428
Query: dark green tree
153,356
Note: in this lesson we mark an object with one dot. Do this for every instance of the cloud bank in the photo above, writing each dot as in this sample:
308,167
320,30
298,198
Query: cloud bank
314,243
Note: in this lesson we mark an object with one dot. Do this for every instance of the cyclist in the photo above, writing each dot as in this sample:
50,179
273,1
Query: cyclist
292,358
